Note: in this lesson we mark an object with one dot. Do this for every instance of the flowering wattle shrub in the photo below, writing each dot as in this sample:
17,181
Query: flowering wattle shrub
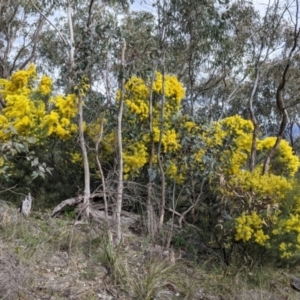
220,152
257,202
250,226
136,134
32,115
31,111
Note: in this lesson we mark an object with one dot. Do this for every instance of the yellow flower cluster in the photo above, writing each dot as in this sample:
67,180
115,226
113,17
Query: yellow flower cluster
250,226
189,125
45,86
291,224
76,157
173,172
237,133
169,141
58,121
174,91
29,117
284,156
139,107
137,89
229,139
19,82
289,229
134,157
17,113
286,250
232,139
137,95
136,113
67,106
237,126
58,126
20,112
261,186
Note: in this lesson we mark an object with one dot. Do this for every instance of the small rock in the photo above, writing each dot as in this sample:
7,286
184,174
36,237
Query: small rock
295,283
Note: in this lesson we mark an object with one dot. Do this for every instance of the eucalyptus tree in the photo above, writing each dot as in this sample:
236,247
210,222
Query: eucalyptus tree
20,30
262,39
184,38
83,37
139,30
280,100
267,44
196,47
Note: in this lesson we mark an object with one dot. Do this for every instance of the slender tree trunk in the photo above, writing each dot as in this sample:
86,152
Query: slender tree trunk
120,149
151,222
71,45
101,172
159,158
87,179
253,119
87,189
170,233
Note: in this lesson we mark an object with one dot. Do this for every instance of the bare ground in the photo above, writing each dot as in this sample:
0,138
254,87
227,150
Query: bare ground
48,258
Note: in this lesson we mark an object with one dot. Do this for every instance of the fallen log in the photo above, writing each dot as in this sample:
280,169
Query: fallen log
98,215
69,202
72,202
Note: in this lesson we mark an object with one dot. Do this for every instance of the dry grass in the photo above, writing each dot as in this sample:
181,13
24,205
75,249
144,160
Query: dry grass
40,247
8,214
151,278
12,276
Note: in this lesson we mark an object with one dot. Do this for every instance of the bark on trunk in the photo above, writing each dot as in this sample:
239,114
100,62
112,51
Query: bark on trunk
159,159
87,189
120,149
151,222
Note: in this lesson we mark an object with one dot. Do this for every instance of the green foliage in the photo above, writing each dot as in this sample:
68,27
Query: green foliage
34,139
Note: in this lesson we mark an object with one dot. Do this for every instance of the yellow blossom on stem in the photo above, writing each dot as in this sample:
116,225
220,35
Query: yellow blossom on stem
29,117
45,86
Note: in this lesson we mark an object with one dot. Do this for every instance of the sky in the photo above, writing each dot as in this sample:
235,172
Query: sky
141,5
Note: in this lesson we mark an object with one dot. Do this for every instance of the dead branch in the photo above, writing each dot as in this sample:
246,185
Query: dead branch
48,20
69,202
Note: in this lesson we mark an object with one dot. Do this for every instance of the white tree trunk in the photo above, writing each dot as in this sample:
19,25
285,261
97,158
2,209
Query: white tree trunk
87,189
120,150
159,158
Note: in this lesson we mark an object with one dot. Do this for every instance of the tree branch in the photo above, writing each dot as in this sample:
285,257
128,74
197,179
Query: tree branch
279,97
47,19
